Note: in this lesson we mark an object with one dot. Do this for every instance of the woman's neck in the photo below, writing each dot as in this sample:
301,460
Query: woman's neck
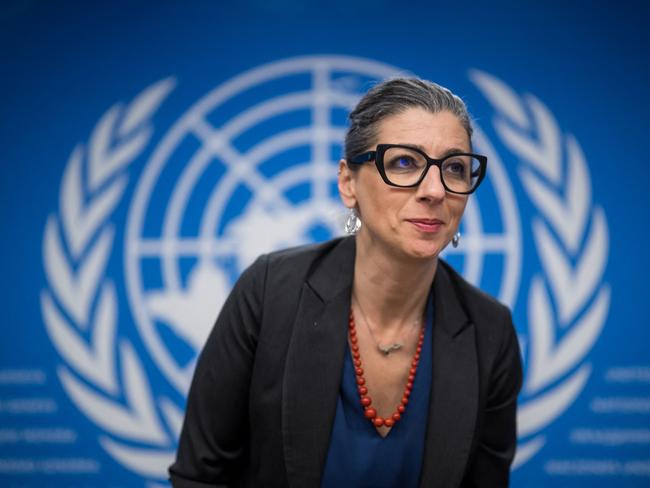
391,289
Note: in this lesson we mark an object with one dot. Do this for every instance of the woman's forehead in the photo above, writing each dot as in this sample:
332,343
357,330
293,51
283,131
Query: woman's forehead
419,127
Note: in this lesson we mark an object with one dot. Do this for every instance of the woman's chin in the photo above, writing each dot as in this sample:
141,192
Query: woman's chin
408,248
424,250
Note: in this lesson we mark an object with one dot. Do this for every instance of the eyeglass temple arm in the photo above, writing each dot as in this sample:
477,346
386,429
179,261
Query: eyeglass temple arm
364,158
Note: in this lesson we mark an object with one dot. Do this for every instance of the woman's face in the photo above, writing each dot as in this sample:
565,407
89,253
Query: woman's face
413,222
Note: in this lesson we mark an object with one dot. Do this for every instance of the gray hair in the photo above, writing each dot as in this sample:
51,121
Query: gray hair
394,96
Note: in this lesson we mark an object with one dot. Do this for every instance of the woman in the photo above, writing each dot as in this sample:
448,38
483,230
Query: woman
365,361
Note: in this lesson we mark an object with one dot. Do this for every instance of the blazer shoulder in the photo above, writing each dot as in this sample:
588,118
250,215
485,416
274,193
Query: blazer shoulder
478,304
302,254
295,263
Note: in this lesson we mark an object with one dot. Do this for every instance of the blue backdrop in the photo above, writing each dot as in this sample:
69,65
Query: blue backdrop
150,151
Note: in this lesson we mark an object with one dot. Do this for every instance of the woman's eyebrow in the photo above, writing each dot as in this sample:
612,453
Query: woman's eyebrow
414,146
454,150
447,152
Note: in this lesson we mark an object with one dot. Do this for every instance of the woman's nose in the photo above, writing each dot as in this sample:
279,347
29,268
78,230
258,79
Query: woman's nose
431,187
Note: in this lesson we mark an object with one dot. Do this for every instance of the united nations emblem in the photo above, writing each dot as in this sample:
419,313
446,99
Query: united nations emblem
251,167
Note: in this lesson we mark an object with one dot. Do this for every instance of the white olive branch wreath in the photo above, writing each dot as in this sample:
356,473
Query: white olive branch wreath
80,305
570,233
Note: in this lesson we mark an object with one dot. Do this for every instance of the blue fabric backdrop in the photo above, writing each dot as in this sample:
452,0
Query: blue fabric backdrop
151,150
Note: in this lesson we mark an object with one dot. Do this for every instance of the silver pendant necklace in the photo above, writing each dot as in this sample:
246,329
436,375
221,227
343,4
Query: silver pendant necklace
387,349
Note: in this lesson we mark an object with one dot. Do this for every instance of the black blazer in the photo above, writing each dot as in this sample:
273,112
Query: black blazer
262,402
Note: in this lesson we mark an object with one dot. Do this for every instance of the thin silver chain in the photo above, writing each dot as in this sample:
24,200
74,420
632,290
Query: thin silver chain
385,350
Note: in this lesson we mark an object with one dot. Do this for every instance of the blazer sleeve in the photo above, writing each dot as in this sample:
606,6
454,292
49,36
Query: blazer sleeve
213,444
497,440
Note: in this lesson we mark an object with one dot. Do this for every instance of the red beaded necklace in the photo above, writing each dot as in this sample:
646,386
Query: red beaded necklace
370,413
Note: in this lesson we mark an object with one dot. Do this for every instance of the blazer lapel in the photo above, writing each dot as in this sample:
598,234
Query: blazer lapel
453,402
314,365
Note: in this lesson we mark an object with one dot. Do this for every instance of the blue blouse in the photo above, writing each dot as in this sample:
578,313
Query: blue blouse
358,455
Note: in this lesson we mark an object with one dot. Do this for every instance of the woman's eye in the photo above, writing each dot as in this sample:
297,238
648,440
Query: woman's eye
402,162
405,162
455,168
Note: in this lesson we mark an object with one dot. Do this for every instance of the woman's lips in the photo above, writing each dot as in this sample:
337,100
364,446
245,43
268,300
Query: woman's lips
427,225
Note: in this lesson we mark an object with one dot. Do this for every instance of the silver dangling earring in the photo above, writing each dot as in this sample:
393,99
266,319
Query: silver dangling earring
352,222
456,239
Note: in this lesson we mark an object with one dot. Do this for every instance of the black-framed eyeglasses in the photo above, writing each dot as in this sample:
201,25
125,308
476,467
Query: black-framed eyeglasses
406,166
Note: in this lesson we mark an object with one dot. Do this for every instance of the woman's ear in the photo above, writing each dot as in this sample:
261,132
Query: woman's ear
346,183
